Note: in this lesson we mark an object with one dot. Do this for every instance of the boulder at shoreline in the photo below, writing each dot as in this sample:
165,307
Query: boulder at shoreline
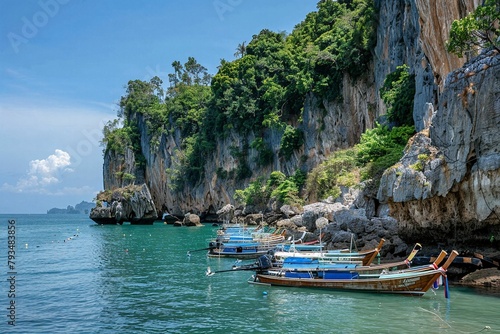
132,204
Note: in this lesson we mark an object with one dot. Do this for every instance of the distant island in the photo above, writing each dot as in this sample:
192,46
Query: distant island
81,208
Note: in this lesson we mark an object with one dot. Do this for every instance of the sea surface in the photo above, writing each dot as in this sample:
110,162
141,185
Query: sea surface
70,275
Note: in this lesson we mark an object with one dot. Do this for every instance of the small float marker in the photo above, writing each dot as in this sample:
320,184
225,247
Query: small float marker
209,272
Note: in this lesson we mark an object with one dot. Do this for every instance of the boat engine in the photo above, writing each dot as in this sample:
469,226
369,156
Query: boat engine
265,261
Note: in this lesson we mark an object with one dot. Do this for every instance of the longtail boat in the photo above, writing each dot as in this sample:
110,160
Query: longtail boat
298,264
233,234
337,270
364,258
244,243
245,250
405,282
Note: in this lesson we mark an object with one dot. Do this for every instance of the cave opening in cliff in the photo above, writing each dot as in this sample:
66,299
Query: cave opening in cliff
471,160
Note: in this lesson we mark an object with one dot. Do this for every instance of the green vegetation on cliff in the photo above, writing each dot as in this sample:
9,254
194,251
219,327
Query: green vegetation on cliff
278,187
268,84
398,93
378,149
479,29
264,88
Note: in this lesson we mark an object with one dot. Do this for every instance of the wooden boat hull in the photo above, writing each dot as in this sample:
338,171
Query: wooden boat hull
296,264
415,284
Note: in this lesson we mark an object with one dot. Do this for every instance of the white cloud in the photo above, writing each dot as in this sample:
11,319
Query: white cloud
43,173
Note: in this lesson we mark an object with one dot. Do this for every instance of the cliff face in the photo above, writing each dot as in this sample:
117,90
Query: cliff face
448,182
327,126
457,187
435,18
414,32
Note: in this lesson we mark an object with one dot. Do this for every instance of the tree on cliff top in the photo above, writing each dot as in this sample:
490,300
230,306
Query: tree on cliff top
480,29
241,50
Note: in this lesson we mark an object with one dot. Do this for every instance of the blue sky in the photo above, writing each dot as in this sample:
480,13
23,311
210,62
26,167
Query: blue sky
64,65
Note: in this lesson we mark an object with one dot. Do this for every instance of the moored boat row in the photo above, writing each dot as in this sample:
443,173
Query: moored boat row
345,270
244,243
410,281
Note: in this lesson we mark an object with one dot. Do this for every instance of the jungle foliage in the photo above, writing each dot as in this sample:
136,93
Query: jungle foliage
398,93
278,187
480,29
263,88
379,148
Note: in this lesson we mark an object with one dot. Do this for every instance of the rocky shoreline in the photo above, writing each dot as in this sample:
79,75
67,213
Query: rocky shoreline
351,221
483,278
342,225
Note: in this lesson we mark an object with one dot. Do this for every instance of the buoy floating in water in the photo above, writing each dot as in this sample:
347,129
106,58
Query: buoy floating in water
264,293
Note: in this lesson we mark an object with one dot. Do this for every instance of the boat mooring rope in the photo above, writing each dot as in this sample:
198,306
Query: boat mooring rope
486,328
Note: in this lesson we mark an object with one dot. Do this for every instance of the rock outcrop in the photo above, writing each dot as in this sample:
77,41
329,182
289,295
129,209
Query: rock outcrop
191,220
485,278
226,214
128,204
448,182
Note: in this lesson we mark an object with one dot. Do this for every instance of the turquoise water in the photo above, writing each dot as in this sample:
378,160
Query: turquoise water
73,276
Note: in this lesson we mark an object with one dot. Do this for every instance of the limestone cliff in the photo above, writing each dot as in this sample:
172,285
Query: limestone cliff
339,127
414,32
448,182
409,32
128,204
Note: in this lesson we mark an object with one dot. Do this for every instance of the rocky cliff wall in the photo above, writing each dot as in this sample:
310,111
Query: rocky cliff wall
414,32
327,126
448,182
118,164
406,34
